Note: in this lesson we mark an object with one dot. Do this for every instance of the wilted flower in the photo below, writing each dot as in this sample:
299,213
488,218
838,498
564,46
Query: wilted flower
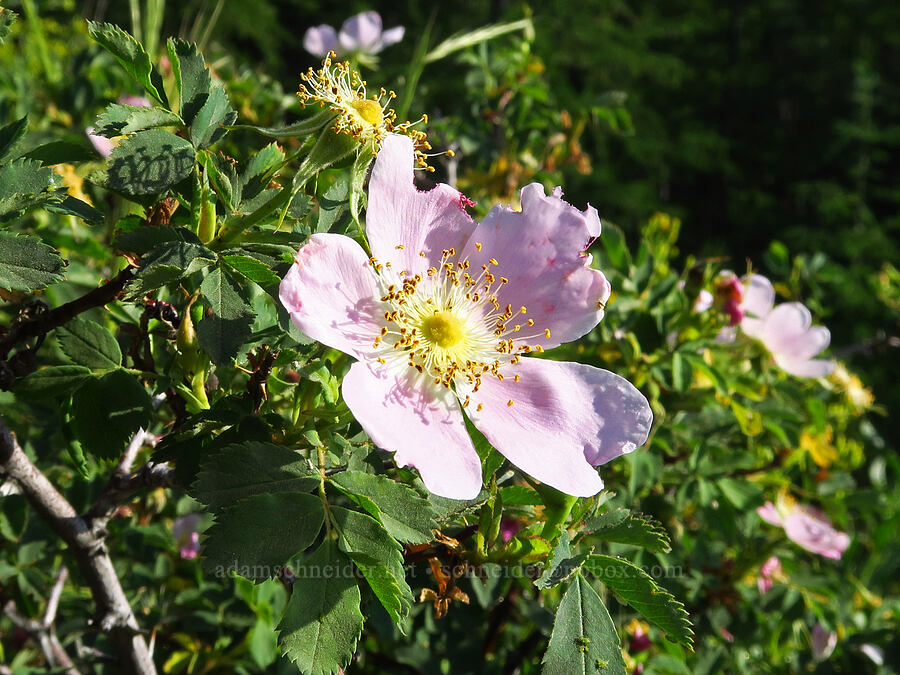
784,330
368,119
806,526
859,396
105,145
360,36
729,293
767,573
441,318
823,642
184,529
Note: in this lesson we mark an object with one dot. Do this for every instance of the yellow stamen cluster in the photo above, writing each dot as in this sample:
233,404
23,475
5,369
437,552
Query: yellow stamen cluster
368,119
448,323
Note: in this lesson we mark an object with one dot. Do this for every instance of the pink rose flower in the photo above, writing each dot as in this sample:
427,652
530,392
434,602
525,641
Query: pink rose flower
808,527
767,573
441,318
184,529
361,34
784,330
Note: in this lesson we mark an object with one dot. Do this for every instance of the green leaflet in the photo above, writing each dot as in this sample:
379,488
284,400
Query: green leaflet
245,469
259,534
322,622
639,590
584,640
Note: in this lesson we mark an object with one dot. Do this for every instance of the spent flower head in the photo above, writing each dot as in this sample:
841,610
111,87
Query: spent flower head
338,87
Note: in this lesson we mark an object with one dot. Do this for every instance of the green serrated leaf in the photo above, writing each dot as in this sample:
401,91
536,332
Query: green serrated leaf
624,527
520,495
259,534
222,338
322,622
131,56
89,344
563,564
252,269
61,152
209,123
27,263
333,204
12,133
223,178
297,130
75,207
637,588
245,469
406,515
378,556
107,411
584,640
144,239
192,78
24,183
261,169
119,119
7,19
52,381
148,163
225,295
166,263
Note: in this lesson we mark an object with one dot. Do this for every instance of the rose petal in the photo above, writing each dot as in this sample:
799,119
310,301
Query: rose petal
770,514
759,296
400,215
812,530
361,32
805,368
419,422
784,328
564,418
392,36
319,40
332,295
101,144
540,250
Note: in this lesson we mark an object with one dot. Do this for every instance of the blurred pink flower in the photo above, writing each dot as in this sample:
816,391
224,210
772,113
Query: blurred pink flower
105,145
725,633
767,573
509,528
184,529
640,641
441,320
784,330
806,526
360,35
823,642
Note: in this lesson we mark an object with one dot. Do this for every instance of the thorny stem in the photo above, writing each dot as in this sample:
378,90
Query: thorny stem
88,547
40,325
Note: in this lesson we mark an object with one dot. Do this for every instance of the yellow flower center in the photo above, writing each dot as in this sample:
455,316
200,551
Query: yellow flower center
442,329
370,111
